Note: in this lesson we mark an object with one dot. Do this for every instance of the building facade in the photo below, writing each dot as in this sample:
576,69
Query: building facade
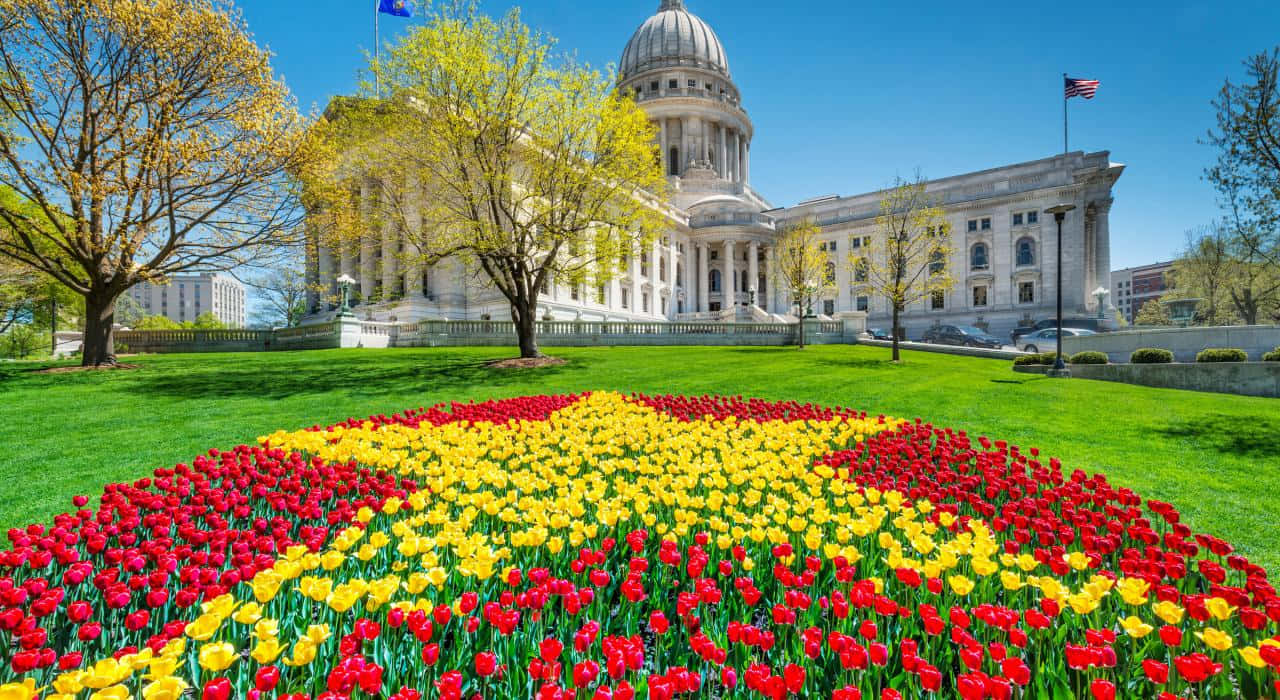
187,296
1134,286
714,262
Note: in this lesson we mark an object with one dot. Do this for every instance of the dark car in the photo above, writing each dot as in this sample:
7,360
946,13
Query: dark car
1089,324
879,334
968,336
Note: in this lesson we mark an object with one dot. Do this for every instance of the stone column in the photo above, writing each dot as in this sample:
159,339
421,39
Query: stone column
635,282
722,159
735,167
671,277
746,162
655,280
771,281
686,143
662,146
368,269
727,284
1102,238
327,276
390,250
703,280
413,286
753,269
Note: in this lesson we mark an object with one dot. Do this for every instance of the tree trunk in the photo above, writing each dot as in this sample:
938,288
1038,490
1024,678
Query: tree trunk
524,314
895,333
99,337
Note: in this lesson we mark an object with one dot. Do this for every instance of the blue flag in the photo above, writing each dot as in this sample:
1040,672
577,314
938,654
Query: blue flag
399,8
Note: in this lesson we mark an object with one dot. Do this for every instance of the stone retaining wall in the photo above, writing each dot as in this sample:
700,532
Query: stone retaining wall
1184,343
1243,378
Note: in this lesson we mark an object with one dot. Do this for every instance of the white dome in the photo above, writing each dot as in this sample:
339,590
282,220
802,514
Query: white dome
673,37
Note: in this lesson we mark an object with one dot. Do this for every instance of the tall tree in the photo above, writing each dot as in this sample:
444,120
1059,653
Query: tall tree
151,136
1205,271
801,267
908,260
524,164
282,296
1247,171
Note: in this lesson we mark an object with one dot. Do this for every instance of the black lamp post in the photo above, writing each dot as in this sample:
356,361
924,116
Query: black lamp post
1059,213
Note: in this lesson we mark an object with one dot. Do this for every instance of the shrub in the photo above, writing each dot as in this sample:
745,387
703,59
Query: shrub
1273,356
1222,355
1150,356
1089,357
1040,358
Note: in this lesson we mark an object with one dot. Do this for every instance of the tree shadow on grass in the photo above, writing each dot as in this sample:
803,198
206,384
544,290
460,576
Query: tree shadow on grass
1249,436
371,374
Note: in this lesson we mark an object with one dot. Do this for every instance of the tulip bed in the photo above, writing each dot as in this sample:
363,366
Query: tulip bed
609,546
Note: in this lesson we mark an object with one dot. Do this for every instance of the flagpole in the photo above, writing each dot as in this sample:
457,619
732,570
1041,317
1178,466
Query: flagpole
1064,114
378,73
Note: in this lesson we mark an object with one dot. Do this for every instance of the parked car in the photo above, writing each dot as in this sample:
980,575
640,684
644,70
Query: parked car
879,334
1046,339
968,336
1092,324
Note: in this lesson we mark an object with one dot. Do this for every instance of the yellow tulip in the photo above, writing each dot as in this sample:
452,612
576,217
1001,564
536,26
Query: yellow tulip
1135,627
1168,611
115,692
167,688
960,584
1215,638
203,627
1219,608
217,656
267,651
25,690
104,673
248,613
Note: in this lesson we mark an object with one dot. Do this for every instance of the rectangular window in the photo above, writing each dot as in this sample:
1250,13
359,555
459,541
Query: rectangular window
1033,217
653,86
673,84
828,306
1017,219
1026,292
626,299
980,295
863,303
573,293
645,298
600,294
973,225
692,83
986,224
855,242
937,301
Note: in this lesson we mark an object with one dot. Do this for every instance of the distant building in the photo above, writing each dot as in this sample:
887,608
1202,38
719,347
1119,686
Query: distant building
1134,286
187,296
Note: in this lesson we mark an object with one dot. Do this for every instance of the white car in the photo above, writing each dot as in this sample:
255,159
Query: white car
1046,339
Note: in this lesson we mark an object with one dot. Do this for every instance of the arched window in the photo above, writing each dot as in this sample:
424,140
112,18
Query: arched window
978,257
1026,251
673,161
715,280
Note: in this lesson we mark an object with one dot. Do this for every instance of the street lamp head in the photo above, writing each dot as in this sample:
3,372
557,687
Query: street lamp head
1101,291
345,279
1059,211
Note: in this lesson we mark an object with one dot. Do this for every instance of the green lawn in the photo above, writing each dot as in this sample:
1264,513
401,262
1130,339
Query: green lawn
1216,457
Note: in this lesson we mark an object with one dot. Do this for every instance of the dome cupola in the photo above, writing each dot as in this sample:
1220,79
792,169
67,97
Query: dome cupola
674,37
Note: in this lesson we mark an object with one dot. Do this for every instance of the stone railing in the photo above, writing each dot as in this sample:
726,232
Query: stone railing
350,332
186,340
1184,343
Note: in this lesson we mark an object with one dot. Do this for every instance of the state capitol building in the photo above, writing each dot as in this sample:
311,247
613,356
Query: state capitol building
713,264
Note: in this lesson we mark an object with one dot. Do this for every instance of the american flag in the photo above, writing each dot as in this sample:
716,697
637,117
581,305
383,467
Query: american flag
1079,87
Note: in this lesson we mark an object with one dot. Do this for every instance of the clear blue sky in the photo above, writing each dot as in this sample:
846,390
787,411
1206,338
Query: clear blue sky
846,95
